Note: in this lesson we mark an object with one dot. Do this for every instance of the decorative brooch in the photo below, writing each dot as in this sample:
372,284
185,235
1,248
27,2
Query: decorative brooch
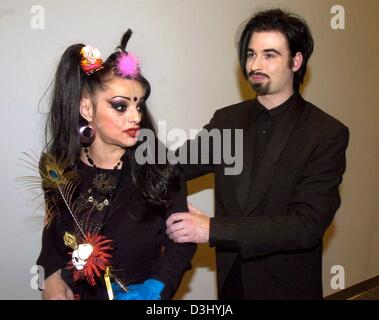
91,256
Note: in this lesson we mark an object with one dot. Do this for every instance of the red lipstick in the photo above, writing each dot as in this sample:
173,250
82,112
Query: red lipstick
132,132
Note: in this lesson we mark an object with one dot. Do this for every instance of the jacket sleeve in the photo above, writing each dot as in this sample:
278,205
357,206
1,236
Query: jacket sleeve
310,210
175,258
191,153
52,256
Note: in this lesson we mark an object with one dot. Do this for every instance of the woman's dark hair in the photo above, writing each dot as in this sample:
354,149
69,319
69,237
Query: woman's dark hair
157,182
293,27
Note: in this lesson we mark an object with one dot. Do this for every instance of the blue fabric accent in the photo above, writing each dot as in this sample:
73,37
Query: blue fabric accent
149,290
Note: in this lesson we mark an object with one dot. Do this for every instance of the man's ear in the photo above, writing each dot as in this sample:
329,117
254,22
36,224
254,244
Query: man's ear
86,109
297,61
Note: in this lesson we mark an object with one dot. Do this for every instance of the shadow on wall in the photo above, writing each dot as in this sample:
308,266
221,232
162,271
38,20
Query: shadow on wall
246,93
199,184
306,80
328,235
204,258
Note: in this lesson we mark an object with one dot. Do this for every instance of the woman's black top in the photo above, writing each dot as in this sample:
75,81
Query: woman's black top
141,248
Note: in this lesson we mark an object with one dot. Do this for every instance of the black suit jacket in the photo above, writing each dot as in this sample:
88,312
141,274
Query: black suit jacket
276,223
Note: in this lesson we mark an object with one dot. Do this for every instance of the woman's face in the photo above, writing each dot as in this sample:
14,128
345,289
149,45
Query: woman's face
117,113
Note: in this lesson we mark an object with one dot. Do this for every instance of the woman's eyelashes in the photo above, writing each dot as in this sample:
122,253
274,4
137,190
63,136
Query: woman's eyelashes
119,106
141,106
123,106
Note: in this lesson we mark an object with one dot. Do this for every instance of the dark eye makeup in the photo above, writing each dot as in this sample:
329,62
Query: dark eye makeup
121,106
141,105
118,105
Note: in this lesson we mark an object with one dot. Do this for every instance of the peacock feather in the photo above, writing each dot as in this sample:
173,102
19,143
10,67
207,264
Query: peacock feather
58,183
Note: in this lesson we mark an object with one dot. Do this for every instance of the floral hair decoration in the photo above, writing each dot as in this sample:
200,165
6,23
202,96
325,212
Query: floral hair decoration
91,60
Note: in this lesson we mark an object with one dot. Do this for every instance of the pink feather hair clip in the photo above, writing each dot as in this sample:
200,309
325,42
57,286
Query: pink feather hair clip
128,65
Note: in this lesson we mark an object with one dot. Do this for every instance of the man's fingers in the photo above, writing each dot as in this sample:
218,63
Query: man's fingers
175,217
178,234
182,239
175,227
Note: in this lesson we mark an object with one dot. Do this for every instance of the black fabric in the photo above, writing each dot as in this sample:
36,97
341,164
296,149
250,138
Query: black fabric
265,124
141,250
233,287
274,216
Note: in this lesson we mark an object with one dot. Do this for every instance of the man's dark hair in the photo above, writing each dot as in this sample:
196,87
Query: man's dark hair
293,27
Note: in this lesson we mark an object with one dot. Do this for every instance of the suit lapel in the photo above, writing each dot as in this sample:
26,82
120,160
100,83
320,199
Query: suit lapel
277,142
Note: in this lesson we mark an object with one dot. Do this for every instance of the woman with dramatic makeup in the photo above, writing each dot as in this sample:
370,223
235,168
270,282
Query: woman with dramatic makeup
104,234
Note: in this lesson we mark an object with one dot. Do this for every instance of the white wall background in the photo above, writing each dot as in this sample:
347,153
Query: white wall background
187,52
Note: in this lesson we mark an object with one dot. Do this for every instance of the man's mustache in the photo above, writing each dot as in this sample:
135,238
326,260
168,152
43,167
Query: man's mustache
252,73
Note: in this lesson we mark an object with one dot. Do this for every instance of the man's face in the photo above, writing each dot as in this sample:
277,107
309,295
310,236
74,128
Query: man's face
269,65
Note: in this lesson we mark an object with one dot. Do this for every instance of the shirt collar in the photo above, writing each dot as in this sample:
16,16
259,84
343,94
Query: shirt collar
280,109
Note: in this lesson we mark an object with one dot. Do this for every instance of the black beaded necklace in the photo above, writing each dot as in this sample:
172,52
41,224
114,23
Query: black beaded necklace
90,161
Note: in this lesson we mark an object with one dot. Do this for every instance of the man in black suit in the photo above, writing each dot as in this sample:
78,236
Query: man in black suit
270,219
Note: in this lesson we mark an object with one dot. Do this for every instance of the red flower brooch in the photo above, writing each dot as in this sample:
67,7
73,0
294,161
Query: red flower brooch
90,258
